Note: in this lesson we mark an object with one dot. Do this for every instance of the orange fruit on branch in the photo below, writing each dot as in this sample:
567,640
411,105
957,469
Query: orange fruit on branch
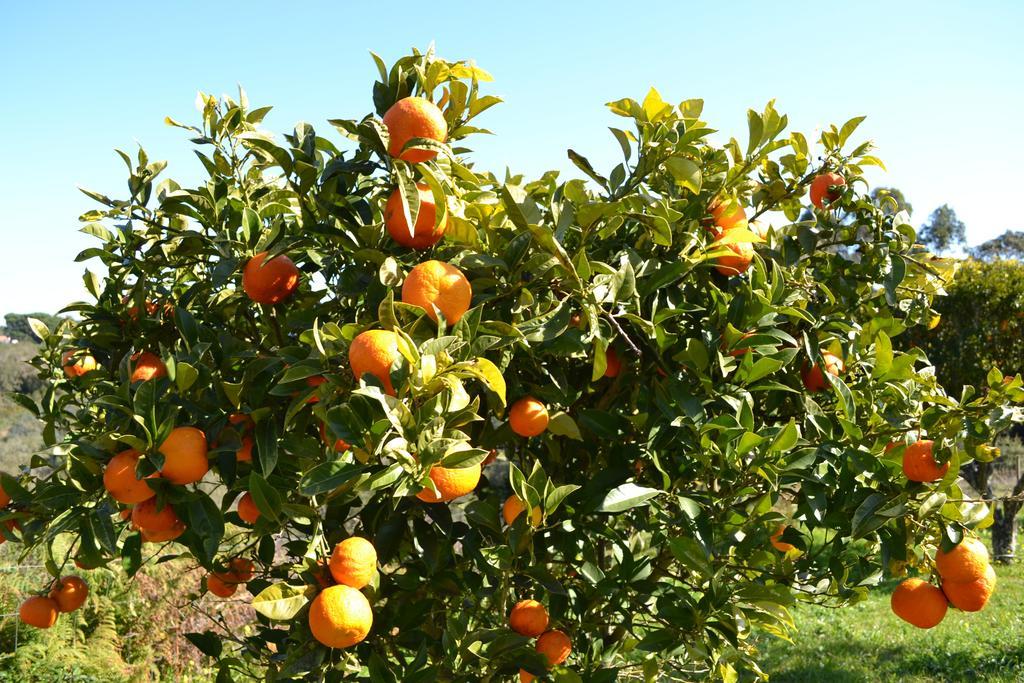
340,445
919,463
813,377
613,366
5,499
122,482
971,596
780,545
185,456
244,452
726,215
555,646
414,117
968,561
353,562
69,593
425,233
372,353
919,603
737,262
219,587
271,282
451,483
528,618
147,517
437,284
822,188
247,509
528,417
77,363
514,506
147,366
340,616
39,612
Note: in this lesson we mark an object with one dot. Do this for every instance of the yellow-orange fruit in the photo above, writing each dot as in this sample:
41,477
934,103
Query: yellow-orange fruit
554,645
185,456
121,481
5,499
222,589
271,282
820,188
340,616
147,366
919,603
372,353
353,562
39,612
814,378
69,593
528,417
736,262
247,509
528,618
919,463
425,234
148,518
727,215
77,363
240,570
526,677
414,117
968,561
164,535
781,546
451,483
438,284
244,452
971,596
514,506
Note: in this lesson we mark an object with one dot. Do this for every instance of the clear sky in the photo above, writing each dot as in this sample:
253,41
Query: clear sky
942,84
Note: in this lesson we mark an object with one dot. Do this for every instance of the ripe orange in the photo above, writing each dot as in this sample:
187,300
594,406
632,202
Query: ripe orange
820,188
219,587
919,463
528,417
528,618
373,352
435,283
247,509
554,645
814,379
514,506
69,593
613,365
340,616
11,525
315,382
271,282
162,536
149,519
147,366
185,459
971,596
83,363
121,481
244,452
425,234
340,445
736,353
353,562
727,214
968,561
5,500
919,603
781,546
240,570
451,483
414,117
526,677
737,262
38,611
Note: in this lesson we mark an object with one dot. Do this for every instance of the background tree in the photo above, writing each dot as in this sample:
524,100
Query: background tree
18,327
891,200
697,418
1009,245
943,231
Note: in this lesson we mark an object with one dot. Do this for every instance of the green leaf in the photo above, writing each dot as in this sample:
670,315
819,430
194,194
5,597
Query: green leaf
686,173
562,424
328,476
626,497
185,376
267,499
281,601
208,642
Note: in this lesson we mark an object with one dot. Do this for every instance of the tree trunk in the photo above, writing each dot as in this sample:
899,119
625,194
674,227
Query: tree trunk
1004,531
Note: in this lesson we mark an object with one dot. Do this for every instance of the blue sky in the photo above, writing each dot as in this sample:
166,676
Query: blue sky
939,81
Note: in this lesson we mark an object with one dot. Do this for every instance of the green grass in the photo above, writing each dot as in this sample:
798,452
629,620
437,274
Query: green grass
866,642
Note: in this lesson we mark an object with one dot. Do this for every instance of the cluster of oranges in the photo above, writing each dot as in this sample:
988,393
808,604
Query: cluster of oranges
225,583
530,618
340,615
66,595
968,581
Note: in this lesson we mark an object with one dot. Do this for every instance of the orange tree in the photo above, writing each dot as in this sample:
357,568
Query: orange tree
696,410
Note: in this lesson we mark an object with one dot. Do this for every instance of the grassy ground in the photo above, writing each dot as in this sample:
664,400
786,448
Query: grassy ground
866,642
